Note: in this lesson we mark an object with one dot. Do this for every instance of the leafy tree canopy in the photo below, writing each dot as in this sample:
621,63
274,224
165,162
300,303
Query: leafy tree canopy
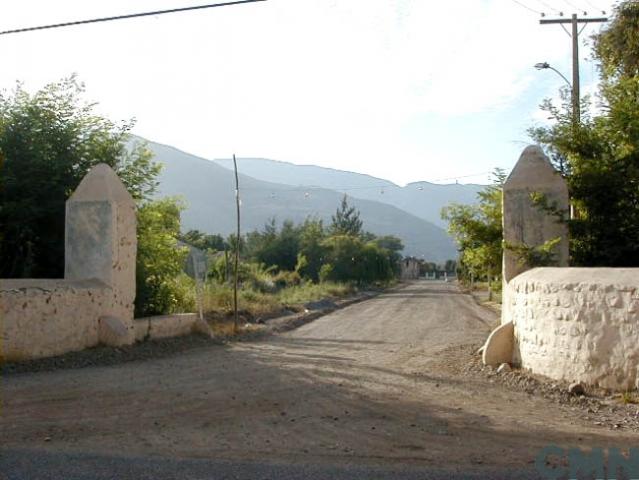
477,229
599,156
48,142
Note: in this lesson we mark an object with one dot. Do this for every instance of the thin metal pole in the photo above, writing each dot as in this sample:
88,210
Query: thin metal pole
237,246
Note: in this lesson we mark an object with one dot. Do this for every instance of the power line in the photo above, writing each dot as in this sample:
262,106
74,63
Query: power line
550,7
124,17
572,5
528,8
596,7
380,186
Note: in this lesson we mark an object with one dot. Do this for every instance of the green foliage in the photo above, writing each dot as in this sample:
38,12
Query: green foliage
353,260
284,279
536,256
204,242
311,250
346,220
311,292
307,248
600,156
273,247
392,245
478,231
48,142
255,276
219,297
450,266
161,286
326,272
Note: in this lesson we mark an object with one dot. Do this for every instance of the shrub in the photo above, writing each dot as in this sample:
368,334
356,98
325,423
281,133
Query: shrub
159,260
285,279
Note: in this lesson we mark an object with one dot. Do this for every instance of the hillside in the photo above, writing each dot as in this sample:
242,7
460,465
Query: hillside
423,199
208,189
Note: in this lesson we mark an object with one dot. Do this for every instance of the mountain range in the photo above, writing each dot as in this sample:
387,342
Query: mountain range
423,199
284,191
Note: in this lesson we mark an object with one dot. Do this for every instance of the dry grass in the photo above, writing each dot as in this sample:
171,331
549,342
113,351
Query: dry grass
253,305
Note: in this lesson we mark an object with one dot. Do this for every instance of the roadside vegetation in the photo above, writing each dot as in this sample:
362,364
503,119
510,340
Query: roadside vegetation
285,266
477,229
599,155
50,139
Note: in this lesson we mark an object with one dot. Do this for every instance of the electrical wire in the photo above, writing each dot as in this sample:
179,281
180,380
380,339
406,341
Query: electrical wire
527,7
595,7
382,186
572,5
124,17
550,7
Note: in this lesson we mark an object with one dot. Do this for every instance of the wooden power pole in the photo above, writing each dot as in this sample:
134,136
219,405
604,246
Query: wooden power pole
237,248
574,21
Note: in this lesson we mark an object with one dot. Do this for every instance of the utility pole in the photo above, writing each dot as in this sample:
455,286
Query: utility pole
237,248
574,21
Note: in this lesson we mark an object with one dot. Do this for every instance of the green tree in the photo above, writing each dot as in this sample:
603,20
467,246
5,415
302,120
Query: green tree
346,220
450,266
349,259
48,142
275,248
160,262
204,241
600,156
312,252
393,245
477,229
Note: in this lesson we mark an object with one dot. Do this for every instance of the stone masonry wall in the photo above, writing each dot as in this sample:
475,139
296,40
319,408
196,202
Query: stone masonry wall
41,318
94,302
577,324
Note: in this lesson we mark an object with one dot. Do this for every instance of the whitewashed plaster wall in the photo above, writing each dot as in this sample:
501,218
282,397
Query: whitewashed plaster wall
42,318
577,324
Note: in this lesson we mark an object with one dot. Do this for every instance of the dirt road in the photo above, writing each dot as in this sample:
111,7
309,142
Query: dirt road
369,385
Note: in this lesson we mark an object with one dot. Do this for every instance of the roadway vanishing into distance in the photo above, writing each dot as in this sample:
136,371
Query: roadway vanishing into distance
376,390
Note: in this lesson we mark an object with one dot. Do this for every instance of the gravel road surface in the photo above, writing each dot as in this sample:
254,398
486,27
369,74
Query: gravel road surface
368,391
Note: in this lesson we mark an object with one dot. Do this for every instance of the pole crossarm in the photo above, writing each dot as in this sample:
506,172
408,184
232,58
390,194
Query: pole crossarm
574,21
546,21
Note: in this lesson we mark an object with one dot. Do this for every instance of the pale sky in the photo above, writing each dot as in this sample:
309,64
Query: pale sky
406,90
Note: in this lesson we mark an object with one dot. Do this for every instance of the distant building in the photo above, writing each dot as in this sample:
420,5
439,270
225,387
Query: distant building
410,269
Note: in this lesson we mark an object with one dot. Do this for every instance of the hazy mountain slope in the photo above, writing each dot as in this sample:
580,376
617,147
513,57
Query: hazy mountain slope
209,191
423,199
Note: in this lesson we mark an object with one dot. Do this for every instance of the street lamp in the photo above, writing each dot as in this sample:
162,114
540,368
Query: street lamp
546,65
573,94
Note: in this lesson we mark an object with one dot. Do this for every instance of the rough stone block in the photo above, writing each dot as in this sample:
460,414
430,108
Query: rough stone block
113,332
498,348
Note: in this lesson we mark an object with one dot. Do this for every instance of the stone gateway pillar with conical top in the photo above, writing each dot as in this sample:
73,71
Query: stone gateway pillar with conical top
527,223
101,243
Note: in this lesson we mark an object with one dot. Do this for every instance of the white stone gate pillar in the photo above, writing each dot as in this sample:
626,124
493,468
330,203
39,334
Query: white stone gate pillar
100,239
526,223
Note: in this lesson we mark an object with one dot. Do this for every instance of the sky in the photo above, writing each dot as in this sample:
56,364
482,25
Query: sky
405,90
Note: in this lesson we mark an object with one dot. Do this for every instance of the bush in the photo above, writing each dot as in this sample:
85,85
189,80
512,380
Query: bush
160,283
285,279
325,272
352,260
